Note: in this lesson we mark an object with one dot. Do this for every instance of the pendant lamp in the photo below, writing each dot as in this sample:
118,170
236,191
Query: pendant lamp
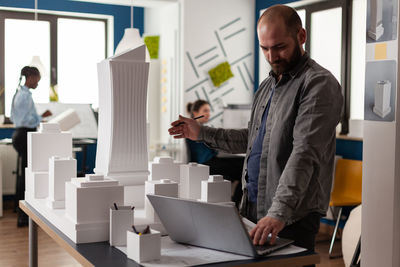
36,62
131,40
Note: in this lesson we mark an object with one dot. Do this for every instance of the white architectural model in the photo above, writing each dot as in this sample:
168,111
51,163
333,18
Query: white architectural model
191,176
164,187
216,189
122,145
47,142
61,170
375,29
382,98
164,168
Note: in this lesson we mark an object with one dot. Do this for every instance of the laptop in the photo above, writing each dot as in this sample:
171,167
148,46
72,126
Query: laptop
209,225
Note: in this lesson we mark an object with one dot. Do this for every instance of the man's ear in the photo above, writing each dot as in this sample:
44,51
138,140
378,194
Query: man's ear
302,36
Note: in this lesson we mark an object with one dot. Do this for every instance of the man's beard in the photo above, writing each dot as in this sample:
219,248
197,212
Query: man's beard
283,65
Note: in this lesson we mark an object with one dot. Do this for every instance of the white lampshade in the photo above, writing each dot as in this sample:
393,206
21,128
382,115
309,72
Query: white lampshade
36,62
131,40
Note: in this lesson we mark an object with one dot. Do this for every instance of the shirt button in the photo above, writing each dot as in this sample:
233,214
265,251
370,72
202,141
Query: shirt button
256,128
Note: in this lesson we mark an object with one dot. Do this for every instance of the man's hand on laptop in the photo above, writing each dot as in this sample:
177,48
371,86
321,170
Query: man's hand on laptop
264,227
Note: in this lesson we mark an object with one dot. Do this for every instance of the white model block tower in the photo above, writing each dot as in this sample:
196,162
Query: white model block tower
375,29
88,200
122,145
216,189
382,98
191,176
164,168
47,142
164,187
61,170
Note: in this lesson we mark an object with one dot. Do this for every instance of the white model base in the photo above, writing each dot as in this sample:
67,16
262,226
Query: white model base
84,233
377,34
380,113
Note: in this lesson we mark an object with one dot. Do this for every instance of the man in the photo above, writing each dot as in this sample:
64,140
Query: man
290,140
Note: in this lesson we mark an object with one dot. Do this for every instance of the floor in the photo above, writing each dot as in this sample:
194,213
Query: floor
14,247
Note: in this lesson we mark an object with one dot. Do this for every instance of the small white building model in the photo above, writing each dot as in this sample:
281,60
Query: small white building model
375,29
382,98
47,142
88,200
191,176
216,189
61,170
122,145
164,168
164,187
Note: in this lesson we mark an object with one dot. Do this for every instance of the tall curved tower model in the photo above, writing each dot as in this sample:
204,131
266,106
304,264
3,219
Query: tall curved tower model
122,136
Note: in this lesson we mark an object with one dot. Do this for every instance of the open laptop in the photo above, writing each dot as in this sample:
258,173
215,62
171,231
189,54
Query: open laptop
208,225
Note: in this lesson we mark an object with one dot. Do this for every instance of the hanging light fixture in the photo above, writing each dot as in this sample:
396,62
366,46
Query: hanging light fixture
36,62
131,39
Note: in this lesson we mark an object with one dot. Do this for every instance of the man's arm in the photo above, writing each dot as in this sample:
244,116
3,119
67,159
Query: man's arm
229,140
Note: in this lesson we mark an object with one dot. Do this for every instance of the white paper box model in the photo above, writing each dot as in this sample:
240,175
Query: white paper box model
67,120
61,170
121,220
163,187
375,29
382,98
216,189
191,176
89,202
164,168
122,145
37,183
145,247
47,142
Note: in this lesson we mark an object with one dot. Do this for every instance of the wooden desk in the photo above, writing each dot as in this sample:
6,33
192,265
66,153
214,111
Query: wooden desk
102,254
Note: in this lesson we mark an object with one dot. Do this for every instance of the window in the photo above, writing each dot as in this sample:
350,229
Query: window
69,49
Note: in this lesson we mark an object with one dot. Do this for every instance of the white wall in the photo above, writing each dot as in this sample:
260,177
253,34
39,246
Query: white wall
203,20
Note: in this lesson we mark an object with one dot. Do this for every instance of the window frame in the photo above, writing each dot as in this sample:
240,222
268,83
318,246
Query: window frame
346,6
52,19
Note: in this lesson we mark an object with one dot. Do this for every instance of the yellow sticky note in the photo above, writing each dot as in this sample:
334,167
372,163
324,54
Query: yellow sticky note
381,51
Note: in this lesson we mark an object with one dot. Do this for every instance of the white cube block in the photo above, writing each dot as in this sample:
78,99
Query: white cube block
37,183
94,177
164,168
89,202
191,176
216,189
144,247
61,170
45,144
163,187
121,220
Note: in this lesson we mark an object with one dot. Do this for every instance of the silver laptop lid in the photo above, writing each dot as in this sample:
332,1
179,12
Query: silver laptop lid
202,224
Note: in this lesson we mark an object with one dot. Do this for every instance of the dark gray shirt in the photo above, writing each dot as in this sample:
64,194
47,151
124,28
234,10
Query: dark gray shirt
298,150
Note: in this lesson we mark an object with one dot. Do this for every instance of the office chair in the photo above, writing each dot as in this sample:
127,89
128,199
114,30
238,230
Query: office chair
346,189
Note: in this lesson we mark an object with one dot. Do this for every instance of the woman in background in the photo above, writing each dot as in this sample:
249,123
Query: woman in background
229,167
25,119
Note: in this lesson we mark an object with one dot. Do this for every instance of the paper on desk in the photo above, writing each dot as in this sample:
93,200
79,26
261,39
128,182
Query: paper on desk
174,254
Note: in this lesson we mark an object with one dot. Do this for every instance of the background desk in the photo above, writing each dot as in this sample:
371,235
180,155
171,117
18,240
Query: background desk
102,254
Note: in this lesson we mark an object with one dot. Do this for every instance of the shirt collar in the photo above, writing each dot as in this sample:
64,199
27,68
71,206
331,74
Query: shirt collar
24,88
297,68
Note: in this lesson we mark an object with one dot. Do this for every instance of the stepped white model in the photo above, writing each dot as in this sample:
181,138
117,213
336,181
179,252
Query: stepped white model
164,168
216,190
191,176
375,29
122,145
382,98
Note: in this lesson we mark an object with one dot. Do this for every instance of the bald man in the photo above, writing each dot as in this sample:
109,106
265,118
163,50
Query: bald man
290,140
